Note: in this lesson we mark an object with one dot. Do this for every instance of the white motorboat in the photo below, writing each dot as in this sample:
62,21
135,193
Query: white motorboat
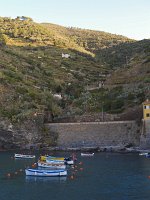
23,156
144,153
87,154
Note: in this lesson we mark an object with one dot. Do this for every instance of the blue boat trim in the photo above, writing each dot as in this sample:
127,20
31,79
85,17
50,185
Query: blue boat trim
44,171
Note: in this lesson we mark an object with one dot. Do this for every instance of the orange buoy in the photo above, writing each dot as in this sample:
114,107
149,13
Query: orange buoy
8,175
71,177
81,169
149,177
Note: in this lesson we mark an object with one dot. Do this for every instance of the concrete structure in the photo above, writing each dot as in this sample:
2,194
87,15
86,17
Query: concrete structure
96,134
65,55
146,110
145,133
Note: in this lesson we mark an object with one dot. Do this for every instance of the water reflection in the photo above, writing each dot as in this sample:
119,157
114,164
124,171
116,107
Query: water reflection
45,179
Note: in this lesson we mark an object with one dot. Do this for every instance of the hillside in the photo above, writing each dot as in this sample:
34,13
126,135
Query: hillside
90,40
35,78
121,54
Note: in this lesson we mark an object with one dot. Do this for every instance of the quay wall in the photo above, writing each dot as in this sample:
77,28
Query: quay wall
95,134
145,135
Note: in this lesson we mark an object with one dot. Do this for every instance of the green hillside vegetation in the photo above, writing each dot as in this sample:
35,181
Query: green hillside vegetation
93,78
121,54
89,39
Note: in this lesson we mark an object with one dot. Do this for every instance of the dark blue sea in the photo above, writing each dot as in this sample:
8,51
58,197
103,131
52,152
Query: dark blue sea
106,176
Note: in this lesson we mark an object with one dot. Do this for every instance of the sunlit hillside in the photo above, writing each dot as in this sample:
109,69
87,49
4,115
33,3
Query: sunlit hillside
68,71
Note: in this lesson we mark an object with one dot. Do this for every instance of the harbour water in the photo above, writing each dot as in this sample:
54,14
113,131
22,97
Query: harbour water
105,176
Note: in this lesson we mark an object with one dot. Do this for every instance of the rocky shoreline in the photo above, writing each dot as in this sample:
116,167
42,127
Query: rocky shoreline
113,149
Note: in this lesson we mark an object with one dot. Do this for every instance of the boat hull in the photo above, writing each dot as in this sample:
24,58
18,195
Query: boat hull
57,160
45,173
87,154
24,156
44,158
52,166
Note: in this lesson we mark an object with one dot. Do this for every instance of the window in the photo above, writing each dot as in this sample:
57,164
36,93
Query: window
147,107
148,115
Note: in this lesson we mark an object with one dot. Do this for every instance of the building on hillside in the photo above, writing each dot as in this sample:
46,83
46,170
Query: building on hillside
23,18
146,109
57,96
65,55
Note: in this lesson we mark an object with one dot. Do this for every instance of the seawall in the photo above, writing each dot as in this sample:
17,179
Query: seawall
145,135
95,134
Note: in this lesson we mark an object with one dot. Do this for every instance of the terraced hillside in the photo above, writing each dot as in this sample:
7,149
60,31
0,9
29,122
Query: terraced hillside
35,78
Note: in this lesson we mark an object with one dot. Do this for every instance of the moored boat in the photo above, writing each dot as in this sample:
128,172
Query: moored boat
55,161
144,153
147,155
69,161
60,160
23,156
46,173
51,165
87,154
56,158
43,158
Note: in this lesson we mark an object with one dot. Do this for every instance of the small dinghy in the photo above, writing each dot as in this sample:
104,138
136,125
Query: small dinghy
144,154
87,154
46,173
23,156
51,165
69,161
147,155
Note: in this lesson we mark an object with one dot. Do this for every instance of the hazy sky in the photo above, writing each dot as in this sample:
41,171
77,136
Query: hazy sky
130,18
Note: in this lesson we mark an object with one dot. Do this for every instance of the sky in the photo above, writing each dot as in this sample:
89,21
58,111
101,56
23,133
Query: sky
130,18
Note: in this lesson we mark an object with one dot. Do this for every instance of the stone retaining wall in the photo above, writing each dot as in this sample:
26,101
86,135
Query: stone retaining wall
145,135
96,134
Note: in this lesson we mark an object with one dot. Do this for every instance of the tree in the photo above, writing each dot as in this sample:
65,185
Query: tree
3,39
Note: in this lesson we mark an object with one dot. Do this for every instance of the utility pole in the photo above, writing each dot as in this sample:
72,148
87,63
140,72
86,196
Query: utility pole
126,60
102,112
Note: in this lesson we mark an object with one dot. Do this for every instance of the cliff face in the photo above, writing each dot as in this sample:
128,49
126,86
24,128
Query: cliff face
22,136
